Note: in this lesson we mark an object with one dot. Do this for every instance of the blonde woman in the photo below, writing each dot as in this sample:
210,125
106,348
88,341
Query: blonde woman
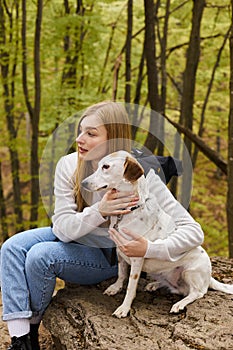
77,248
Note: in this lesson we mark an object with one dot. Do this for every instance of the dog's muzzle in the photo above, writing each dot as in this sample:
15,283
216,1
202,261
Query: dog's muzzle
89,186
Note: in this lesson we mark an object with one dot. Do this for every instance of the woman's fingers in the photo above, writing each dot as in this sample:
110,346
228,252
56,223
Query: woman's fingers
122,196
136,247
121,200
117,238
122,239
125,205
116,203
130,233
124,199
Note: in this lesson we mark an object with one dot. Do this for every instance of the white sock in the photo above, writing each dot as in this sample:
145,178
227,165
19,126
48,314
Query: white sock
19,327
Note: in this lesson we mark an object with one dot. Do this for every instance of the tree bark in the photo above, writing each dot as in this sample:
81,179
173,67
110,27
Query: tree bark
230,149
137,98
189,82
3,214
8,75
33,111
163,93
116,70
73,41
152,73
35,117
128,52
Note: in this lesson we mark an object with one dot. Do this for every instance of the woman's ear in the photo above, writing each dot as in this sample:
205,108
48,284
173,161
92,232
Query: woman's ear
133,170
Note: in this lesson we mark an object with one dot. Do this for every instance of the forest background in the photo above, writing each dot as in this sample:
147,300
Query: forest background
174,57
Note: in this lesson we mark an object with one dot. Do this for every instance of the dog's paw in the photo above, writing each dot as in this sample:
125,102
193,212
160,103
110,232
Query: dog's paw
152,287
176,308
113,289
121,312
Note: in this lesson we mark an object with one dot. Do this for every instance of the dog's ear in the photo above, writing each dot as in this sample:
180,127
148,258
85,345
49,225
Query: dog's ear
133,169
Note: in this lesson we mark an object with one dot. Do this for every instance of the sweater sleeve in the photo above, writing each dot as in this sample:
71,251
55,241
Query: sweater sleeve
187,233
68,224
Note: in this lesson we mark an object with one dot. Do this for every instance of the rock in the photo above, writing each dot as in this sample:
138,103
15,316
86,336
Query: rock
79,317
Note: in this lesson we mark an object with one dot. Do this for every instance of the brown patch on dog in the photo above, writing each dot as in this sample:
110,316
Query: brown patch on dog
133,169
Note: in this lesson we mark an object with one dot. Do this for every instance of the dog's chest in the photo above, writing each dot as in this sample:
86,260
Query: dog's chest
152,223
136,221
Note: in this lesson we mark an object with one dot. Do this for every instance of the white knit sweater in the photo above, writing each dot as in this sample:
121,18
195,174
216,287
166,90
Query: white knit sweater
70,225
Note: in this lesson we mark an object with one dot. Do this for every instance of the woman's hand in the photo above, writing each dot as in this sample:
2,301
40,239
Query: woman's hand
117,203
136,247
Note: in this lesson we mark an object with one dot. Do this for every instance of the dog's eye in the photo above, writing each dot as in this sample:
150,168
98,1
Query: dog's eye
105,166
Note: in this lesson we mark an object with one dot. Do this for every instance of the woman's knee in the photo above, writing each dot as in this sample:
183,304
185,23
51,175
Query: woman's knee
40,257
9,246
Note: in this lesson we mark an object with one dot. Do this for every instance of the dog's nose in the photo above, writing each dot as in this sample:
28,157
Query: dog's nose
85,184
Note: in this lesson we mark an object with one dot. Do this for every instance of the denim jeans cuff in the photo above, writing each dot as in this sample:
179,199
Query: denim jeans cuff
17,315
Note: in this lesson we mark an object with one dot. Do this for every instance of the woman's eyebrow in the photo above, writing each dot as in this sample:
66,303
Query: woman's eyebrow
88,128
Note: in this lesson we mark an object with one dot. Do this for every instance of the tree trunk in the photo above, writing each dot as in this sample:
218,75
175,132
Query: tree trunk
152,74
8,76
163,44
72,48
3,214
128,53
137,97
35,119
193,54
116,70
230,150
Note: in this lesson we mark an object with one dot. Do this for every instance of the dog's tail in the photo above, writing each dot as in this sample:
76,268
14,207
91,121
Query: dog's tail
222,287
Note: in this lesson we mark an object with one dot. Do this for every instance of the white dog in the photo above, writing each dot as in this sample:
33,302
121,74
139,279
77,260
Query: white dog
190,276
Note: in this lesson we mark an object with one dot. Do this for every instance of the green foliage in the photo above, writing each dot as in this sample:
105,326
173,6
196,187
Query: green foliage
208,206
104,23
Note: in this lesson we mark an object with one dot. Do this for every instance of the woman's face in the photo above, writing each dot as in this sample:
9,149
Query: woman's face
92,139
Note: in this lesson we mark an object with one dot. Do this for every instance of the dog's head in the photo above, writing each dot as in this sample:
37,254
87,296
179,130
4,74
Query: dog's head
118,170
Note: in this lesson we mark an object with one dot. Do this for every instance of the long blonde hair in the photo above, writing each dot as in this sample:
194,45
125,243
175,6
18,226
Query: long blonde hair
115,119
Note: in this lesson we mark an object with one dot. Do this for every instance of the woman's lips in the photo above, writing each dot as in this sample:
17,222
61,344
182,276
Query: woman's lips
82,150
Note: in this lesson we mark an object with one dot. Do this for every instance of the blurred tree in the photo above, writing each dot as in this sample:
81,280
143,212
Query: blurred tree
152,71
189,83
230,148
3,214
128,52
9,52
73,41
33,106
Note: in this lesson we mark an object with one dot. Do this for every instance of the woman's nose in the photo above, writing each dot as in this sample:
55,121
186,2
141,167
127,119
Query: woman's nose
80,138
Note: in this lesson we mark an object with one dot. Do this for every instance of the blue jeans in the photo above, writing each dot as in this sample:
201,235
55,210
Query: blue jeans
30,263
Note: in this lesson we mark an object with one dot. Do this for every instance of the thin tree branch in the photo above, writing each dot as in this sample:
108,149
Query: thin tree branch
205,149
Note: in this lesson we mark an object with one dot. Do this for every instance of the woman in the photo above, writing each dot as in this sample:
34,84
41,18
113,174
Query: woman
77,248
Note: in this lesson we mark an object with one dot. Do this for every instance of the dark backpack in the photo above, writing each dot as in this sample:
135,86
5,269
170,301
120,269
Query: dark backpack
165,167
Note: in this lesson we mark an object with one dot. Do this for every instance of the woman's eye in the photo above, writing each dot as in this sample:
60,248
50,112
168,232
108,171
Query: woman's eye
105,166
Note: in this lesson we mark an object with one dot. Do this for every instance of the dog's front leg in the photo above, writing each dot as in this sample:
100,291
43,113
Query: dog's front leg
135,271
122,274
